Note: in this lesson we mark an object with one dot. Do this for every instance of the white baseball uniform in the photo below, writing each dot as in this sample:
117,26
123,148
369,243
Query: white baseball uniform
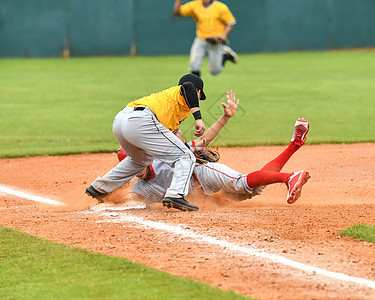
211,177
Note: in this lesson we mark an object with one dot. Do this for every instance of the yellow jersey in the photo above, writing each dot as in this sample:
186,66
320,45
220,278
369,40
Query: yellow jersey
169,106
210,20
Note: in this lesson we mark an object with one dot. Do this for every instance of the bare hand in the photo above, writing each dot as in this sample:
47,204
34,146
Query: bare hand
230,107
199,127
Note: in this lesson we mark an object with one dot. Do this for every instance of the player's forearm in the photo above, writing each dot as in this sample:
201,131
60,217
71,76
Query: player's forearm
212,132
176,7
227,30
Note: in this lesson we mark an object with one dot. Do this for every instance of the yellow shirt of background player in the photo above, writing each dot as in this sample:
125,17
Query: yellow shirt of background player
168,106
211,20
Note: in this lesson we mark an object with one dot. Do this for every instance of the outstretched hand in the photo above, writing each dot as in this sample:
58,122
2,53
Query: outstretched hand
230,107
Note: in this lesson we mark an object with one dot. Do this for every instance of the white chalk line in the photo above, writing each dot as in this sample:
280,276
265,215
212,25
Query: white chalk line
19,194
101,207
177,230
203,238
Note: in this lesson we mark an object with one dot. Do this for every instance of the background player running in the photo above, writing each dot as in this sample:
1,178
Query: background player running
214,21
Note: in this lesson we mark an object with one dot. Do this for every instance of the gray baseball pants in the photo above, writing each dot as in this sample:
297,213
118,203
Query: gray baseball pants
200,49
143,137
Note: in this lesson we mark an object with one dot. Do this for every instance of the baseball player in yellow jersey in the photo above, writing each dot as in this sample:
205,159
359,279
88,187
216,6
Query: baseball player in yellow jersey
214,22
148,128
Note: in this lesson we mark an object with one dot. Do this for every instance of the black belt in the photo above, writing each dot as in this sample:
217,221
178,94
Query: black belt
139,108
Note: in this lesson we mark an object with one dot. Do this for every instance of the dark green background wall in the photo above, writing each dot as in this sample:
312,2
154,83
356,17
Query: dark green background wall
39,28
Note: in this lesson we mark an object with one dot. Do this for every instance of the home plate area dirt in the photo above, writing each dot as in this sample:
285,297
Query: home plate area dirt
260,247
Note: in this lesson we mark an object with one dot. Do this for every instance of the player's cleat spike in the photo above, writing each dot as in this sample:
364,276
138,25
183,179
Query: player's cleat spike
301,128
295,184
179,203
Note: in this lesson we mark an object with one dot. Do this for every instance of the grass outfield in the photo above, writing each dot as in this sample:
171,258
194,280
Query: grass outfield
62,106
33,268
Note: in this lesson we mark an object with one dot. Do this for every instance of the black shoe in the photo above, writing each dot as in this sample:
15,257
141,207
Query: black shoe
230,55
198,73
179,203
91,191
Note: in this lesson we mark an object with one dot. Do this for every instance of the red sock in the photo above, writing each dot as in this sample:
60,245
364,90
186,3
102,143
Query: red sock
259,178
279,162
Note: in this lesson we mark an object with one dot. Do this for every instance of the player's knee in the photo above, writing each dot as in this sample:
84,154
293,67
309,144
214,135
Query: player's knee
215,70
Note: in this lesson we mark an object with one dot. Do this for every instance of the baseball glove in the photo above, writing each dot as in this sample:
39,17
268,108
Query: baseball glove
204,155
217,40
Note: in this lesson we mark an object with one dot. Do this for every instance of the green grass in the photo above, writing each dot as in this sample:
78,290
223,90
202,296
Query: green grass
33,268
360,232
61,106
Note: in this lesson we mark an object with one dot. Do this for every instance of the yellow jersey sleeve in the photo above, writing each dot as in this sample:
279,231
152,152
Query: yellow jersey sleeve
211,20
169,106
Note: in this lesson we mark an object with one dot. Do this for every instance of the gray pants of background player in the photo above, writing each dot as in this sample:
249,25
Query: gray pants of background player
143,137
200,49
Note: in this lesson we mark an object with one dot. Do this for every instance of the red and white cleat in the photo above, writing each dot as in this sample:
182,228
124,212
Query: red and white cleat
301,128
295,184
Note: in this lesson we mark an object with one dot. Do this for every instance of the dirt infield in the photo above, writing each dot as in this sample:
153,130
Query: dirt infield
215,244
